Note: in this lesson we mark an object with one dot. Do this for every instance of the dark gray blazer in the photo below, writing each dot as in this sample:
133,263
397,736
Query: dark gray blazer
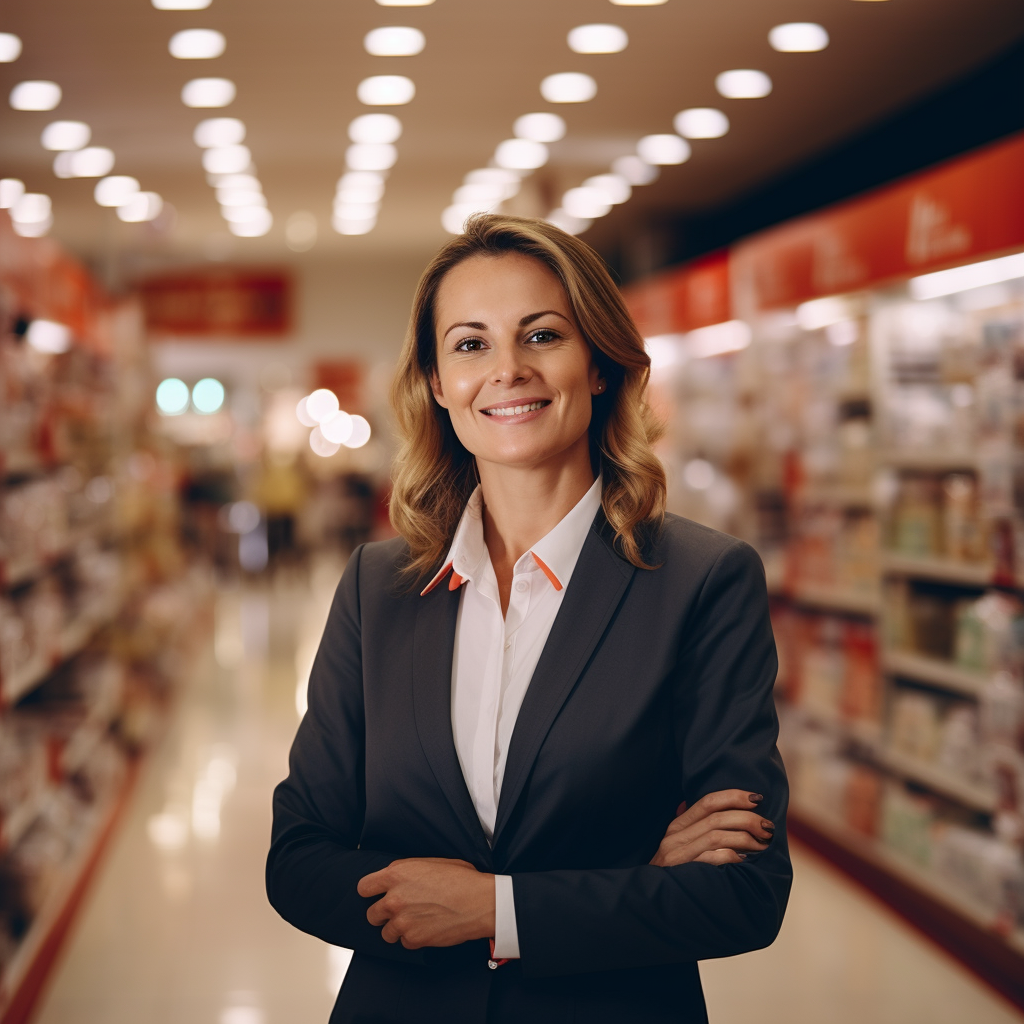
655,686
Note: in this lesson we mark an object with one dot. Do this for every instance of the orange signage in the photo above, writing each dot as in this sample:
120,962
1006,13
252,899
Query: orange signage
243,304
684,298
967,208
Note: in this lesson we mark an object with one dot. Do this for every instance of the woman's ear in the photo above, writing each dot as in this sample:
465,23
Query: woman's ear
435,387
597,382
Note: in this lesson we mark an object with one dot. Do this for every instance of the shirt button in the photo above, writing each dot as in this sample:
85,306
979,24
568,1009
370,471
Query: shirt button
522,585
493,964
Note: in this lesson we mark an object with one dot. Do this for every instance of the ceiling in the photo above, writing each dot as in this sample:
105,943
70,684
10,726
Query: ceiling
297,65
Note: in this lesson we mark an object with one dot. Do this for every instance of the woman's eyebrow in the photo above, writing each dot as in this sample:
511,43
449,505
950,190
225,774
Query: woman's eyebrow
475,324
526,320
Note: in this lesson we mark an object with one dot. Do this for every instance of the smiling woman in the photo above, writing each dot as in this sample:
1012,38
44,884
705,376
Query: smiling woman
513,795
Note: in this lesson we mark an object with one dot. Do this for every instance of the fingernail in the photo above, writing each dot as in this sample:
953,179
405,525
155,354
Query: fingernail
763,842
755,798
742,856
768,826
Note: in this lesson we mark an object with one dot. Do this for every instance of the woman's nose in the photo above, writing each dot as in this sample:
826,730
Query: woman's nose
510,366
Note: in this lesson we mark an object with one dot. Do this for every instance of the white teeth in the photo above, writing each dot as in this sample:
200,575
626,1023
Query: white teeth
515,410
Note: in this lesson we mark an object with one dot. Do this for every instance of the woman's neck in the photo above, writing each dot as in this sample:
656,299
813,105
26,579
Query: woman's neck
523,504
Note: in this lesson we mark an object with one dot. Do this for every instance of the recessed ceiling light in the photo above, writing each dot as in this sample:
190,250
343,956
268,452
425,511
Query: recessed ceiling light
568,87
218,131
663,149
386,90
197,44
798,37
565,221
63,135
743,84
357,191
240,214
246,182
356,211
91,162
454,217
181,5
701,123
240,197
208,92
371,156
493,176
394,41
11,190
10,47
349,226
32,208
585,202
375,128
598,39
256,226
521,154
542,127
115,190
226,159
141,207
635,170
405,3
35,96
638,3
615,187
483,198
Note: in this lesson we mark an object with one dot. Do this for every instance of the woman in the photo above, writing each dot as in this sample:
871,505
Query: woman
513,703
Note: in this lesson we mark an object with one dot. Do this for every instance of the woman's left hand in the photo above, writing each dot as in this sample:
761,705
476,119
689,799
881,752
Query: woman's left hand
430,901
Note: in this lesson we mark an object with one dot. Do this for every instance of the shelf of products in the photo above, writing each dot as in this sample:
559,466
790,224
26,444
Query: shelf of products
866,434
96,603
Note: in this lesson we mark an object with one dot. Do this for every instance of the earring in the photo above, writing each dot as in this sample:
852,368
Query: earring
600,385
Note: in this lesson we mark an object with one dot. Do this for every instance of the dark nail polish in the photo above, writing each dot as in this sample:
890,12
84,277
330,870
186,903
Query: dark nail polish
768,826
755,798
763,842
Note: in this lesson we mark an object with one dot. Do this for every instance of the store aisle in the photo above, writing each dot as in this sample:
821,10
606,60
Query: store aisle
177,929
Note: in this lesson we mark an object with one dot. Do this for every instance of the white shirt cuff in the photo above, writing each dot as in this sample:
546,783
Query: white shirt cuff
506,935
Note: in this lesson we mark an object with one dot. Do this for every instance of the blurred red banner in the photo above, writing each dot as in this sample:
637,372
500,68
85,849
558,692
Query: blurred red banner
227,304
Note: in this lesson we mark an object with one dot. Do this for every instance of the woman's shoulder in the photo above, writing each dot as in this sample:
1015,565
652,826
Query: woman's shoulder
683,542
382,561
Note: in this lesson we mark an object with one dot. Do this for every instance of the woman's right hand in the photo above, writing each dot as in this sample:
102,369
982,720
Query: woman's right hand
718,829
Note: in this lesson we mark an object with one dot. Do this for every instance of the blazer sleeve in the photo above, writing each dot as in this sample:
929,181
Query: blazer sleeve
315,860
726,726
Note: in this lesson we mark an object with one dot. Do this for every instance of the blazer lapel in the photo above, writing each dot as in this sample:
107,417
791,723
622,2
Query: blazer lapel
433,651
597,585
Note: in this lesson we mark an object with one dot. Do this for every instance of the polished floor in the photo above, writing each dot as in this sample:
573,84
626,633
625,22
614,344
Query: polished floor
177,930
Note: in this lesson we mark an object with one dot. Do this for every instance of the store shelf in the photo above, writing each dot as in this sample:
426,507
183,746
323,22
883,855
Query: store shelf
16,572
20,820
838,495
937,779
943,570
933,460
836,599
24,974
867,734
935,672
74,637
970,931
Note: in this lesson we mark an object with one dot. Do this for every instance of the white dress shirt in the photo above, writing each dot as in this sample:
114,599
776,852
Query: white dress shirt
495,657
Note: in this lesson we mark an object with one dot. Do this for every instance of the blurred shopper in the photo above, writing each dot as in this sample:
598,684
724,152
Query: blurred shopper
513,700
280,491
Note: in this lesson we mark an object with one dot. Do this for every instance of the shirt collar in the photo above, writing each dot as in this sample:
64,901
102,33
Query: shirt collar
555,554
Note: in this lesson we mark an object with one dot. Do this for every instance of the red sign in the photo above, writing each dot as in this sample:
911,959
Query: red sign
221,303
682,299
345,379
967,208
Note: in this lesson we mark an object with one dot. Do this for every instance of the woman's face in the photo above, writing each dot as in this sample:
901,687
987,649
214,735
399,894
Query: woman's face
513,370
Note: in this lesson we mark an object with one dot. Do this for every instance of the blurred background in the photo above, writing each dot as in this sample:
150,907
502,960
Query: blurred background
212,219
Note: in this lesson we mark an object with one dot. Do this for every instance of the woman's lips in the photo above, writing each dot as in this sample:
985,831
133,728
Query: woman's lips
509,411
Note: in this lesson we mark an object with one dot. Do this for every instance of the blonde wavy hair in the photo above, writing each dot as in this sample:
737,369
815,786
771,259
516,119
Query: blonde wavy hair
434,474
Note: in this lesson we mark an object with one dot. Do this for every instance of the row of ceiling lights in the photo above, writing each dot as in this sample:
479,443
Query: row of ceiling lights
485,189
597,195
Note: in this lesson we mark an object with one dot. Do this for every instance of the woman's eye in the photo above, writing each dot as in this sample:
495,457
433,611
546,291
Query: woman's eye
469,345
544,336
